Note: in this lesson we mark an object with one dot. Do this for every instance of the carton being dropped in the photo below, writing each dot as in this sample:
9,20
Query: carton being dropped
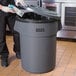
16,10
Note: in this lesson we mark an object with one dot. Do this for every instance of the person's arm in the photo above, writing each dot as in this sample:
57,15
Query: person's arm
6,9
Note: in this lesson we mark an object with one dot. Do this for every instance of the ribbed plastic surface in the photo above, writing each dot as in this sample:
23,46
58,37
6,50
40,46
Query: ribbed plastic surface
38,45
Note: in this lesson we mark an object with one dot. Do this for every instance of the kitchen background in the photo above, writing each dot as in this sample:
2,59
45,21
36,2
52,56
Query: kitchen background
65,52
67,10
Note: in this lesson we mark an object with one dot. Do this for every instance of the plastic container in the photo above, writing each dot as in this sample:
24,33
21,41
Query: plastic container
38,42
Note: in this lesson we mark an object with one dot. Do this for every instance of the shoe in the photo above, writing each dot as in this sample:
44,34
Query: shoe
18,55
4,62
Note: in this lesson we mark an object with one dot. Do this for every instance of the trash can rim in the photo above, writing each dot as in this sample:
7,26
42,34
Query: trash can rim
35,21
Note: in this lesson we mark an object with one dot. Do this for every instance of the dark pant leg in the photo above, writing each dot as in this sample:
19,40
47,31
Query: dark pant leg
3,47
16,41
59,25
11,22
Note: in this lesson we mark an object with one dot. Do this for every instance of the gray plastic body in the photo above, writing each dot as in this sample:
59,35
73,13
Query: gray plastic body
38,44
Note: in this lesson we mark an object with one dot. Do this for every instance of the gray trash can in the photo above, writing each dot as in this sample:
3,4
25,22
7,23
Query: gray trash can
38,42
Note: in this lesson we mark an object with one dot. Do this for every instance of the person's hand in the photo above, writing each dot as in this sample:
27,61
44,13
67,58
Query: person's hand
19,2
7,9
11,11
0,6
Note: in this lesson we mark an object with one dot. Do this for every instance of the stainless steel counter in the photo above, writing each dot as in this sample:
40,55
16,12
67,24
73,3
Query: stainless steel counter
70,1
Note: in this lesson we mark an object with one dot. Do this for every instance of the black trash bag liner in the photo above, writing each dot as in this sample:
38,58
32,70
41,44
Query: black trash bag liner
34,17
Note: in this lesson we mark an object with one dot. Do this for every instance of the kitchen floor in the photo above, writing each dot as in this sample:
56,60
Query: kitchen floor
65,61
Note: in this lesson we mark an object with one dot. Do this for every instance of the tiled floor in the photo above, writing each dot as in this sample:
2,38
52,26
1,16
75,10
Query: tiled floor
65,61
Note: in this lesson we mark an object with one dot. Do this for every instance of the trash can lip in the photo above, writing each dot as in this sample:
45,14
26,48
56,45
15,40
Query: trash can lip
36,21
